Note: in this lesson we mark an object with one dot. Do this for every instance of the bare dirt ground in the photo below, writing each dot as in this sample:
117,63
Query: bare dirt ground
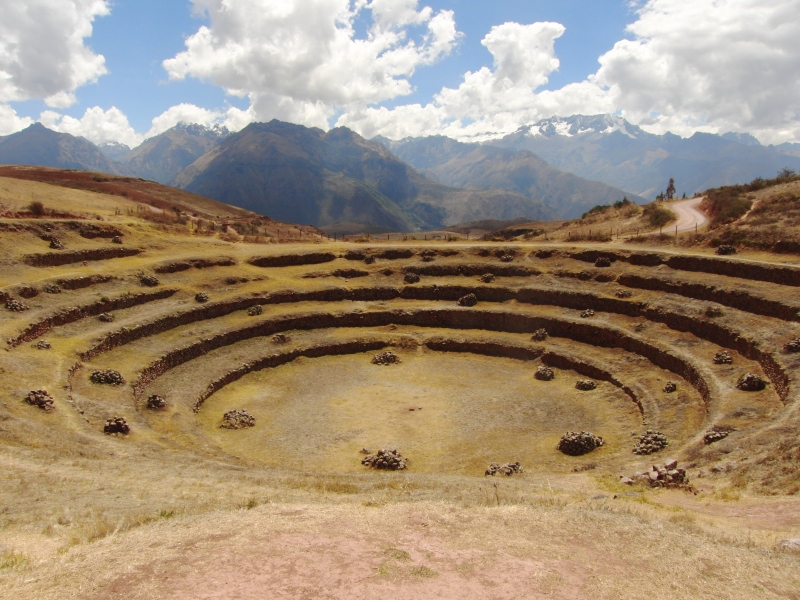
689,217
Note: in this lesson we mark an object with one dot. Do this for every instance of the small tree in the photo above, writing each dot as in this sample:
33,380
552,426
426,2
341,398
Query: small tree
671,189
37,208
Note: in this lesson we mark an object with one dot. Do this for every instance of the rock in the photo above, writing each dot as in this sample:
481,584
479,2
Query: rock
626,480
670,464
506,469
386,358
544,373
725,249
52,288
117,239
506,258
411,278
16,305
106,317
156,402
585,385
717,433
487,278
149,280
623,293
750,382
723,358
385,459
712,312
427,258
237,419
649,442
539,335
280,338
254,311
577,443
56,244
364,451
789,545
468,300
792,345
41,399
602,261
587,313
107,376
670,387
201,297
116,425
43,345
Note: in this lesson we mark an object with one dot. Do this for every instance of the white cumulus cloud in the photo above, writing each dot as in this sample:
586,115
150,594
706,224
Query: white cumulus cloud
10,121
42,50
97,125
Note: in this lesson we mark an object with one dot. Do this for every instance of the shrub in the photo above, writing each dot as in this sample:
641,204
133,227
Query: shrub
658,216
37,208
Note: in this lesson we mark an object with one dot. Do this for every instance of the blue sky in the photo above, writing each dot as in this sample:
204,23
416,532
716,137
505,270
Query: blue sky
119,70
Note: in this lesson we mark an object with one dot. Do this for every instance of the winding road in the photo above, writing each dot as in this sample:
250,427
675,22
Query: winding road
689,216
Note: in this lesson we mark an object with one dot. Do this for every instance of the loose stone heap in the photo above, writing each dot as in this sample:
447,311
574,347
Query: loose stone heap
116,425
116,239
723,358
254,311
149,280
726,249
670,387
506,258
717,433
15,305
544,373
623,293
585,385
386,358
468,300
43,345
539,335
750,382
201,297
587,313
650,441
602,261
109,376
712,312
506,469
577,443
237,419
411,278
793,345
369,259
280,338
42,399
487,278
667,476
156,402
56,244
427,258
386,459
106,317
52,288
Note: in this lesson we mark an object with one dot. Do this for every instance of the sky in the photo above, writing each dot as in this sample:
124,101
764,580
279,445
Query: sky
125,70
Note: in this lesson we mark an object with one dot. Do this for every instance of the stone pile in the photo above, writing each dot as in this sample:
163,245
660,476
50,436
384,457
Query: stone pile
544,373
117,239
385,358
712,312
468,300
723,358
650,441
670,387
539,335
106,317
156,402
43,345
575,443
602,261
587,313
15,305
56,244
507,469
237,419
201,297
428,258
42,399
487,278
387,459
411,278
623,293
369,259
108,376
585,385
254,311
52,288
717,433
750,382
792,345
506,258
666,476
280,338
149,280
116,425
725,249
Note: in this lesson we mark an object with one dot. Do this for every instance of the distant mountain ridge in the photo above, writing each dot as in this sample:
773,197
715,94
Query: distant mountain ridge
610,149
476,166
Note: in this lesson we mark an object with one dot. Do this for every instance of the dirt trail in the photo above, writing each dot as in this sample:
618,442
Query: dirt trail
689,216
